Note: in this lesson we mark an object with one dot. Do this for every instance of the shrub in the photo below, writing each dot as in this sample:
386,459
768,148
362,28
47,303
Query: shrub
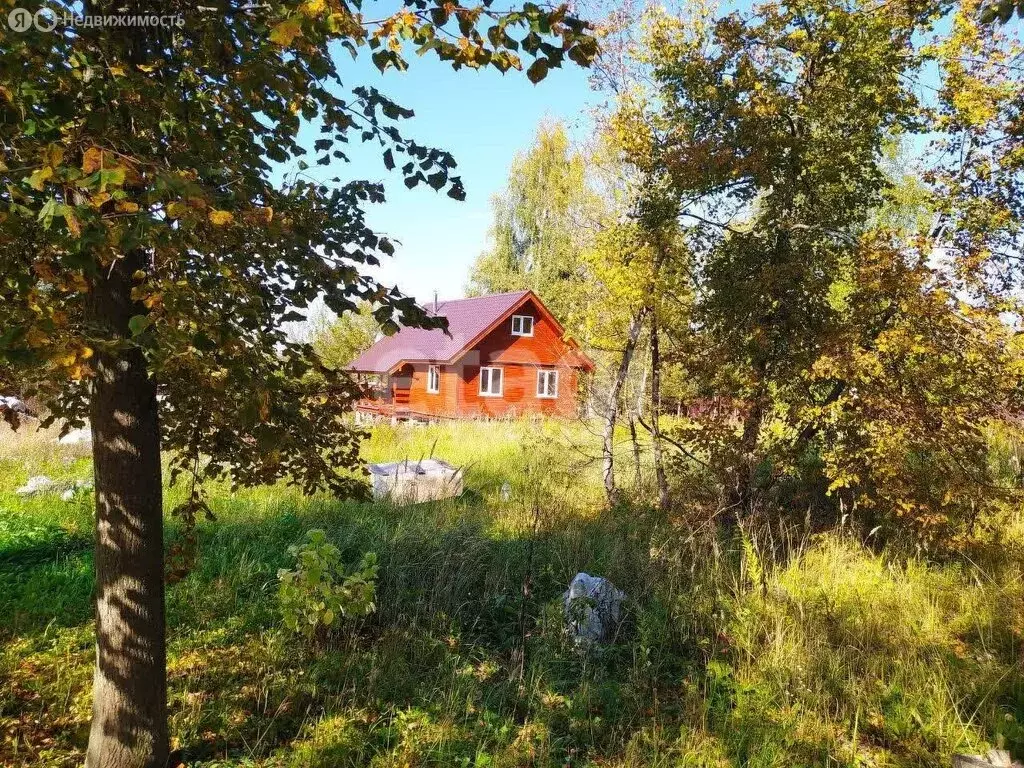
320,590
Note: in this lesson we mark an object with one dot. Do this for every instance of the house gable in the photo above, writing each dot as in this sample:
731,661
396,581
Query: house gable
545,346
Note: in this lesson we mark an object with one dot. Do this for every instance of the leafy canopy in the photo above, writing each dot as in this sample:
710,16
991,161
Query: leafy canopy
339,341
159,146
539,226
855,323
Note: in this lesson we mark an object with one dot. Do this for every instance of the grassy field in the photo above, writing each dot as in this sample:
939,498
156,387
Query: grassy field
825,654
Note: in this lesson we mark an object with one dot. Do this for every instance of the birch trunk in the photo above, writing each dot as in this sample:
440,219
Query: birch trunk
612,406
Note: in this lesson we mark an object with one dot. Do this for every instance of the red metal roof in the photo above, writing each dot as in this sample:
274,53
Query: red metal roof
467,320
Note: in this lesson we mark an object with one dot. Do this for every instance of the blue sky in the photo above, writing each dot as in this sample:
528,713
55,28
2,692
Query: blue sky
483,118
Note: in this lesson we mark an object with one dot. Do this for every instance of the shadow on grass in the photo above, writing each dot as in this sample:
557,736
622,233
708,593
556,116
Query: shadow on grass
46,579
44,547
449,627
437,675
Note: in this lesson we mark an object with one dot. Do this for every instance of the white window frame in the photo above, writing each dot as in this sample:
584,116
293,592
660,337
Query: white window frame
490,379
521,318
432,371
542,376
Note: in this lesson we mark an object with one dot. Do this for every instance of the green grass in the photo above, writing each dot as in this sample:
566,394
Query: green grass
831,655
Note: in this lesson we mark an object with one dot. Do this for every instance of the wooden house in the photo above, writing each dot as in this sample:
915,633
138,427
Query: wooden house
504,355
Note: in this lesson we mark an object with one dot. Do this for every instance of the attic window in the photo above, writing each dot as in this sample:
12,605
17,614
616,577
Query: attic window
522,325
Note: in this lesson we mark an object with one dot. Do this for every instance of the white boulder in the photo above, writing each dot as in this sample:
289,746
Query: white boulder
593,607
43,484
76,437
37,484
77,488
996,758
11,403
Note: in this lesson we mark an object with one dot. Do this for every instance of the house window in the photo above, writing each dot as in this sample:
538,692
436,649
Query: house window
522,325
433,379
547,383
490,382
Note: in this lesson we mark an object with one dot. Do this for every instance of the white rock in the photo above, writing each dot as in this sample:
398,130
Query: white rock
506,491
37,484
44,484
996,758
76,437
76,487
15,404
593,606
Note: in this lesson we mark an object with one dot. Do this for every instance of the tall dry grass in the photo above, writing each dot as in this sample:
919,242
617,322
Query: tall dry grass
817,651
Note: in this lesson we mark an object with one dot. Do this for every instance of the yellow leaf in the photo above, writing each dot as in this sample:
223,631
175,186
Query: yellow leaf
314,7
220,218
92,160
117,71
176,210
285,32
39,177
126,206
267,213
36,338
53,155
72,222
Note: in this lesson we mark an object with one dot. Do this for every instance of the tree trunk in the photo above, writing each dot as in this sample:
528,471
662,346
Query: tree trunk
612,406
636,452
659,463
641,394
742,496
129,717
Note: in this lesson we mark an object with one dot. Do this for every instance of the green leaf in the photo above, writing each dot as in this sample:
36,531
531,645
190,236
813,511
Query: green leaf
138,323
537,71
11,335
47,212
437,180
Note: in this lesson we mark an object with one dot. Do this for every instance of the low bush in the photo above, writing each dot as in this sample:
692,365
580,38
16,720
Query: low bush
319,590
